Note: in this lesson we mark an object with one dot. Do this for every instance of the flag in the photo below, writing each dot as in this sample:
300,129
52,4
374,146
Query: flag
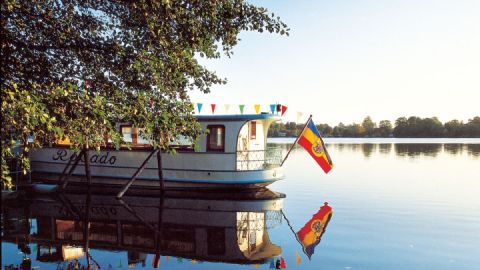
284,109
213,108
311,140
199,107
311,233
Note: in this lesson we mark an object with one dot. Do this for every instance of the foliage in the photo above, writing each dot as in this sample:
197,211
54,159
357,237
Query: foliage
89,65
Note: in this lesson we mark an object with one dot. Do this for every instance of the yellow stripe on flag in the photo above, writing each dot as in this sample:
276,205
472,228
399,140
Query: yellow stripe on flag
310,136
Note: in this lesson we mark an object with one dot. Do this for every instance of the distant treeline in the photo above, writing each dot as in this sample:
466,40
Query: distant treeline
412,127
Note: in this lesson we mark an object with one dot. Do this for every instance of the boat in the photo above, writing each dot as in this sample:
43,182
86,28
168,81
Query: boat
229,227
232,154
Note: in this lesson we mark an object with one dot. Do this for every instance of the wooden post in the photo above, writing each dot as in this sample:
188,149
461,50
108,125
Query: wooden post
296,140
86,237
134,177
87,165
160,170
65,181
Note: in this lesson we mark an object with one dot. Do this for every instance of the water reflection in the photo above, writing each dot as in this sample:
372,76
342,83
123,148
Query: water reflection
409,149
385,148
412,150
474,149
368,149
217,227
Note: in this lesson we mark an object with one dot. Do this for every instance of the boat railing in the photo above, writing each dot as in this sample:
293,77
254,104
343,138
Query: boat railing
259,159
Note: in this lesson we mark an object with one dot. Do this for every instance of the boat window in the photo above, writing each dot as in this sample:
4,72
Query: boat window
132,135
253,130
216,138
127,134
182,143
141,139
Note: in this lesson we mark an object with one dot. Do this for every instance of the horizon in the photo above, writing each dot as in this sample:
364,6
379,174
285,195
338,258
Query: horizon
341,56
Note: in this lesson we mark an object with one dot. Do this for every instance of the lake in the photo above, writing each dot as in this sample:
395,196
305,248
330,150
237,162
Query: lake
396,203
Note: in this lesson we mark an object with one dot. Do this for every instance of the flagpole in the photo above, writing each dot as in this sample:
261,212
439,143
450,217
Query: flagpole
296,140
294,233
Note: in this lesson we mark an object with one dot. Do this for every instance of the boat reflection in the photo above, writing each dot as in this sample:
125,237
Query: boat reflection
216,227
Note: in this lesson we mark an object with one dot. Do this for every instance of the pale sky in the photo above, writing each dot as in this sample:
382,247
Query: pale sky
345,60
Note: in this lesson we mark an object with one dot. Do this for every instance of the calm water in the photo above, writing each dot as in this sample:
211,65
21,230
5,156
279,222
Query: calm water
397,204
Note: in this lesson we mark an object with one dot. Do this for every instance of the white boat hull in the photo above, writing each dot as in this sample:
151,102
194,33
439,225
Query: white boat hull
183,170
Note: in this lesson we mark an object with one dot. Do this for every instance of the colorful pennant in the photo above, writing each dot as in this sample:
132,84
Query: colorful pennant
199,107
257,108
241,106
213,108
272,108
156,261
298,260
284,109
227,107
299,115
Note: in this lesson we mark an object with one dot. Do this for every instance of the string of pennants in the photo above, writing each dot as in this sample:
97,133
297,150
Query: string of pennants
273,108
243,108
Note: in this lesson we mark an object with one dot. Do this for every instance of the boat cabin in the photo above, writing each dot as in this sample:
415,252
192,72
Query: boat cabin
233,152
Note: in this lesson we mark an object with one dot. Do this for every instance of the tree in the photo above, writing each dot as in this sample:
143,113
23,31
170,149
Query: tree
384,128
93,64
368,126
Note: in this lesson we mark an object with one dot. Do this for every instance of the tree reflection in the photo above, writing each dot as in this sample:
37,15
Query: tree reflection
368,149
414,149
474,149
385,148
453,148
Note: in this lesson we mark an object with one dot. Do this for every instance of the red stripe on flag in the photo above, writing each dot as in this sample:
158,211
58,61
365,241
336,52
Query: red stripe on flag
320,160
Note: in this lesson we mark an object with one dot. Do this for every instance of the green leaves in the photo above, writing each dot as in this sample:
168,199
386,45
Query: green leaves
77,69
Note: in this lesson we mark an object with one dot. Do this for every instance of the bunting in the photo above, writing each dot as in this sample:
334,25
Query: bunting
227,107
284,109
241,106
257,108
298,260
213,108
156,261
272,108
199,107
299,115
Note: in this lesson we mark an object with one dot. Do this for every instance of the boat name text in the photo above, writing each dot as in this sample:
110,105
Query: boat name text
103,158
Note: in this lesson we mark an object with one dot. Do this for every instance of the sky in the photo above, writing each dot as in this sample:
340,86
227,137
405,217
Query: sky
348,59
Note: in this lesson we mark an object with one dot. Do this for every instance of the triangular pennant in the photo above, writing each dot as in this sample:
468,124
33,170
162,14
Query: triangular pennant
199,107
299,115
257,108
227,107
156,261
298,260
241,106
193,105
283,264
272,108
213,108
272,263
279,108
284,109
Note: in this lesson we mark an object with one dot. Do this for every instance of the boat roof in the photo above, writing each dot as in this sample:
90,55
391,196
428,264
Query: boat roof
236,117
